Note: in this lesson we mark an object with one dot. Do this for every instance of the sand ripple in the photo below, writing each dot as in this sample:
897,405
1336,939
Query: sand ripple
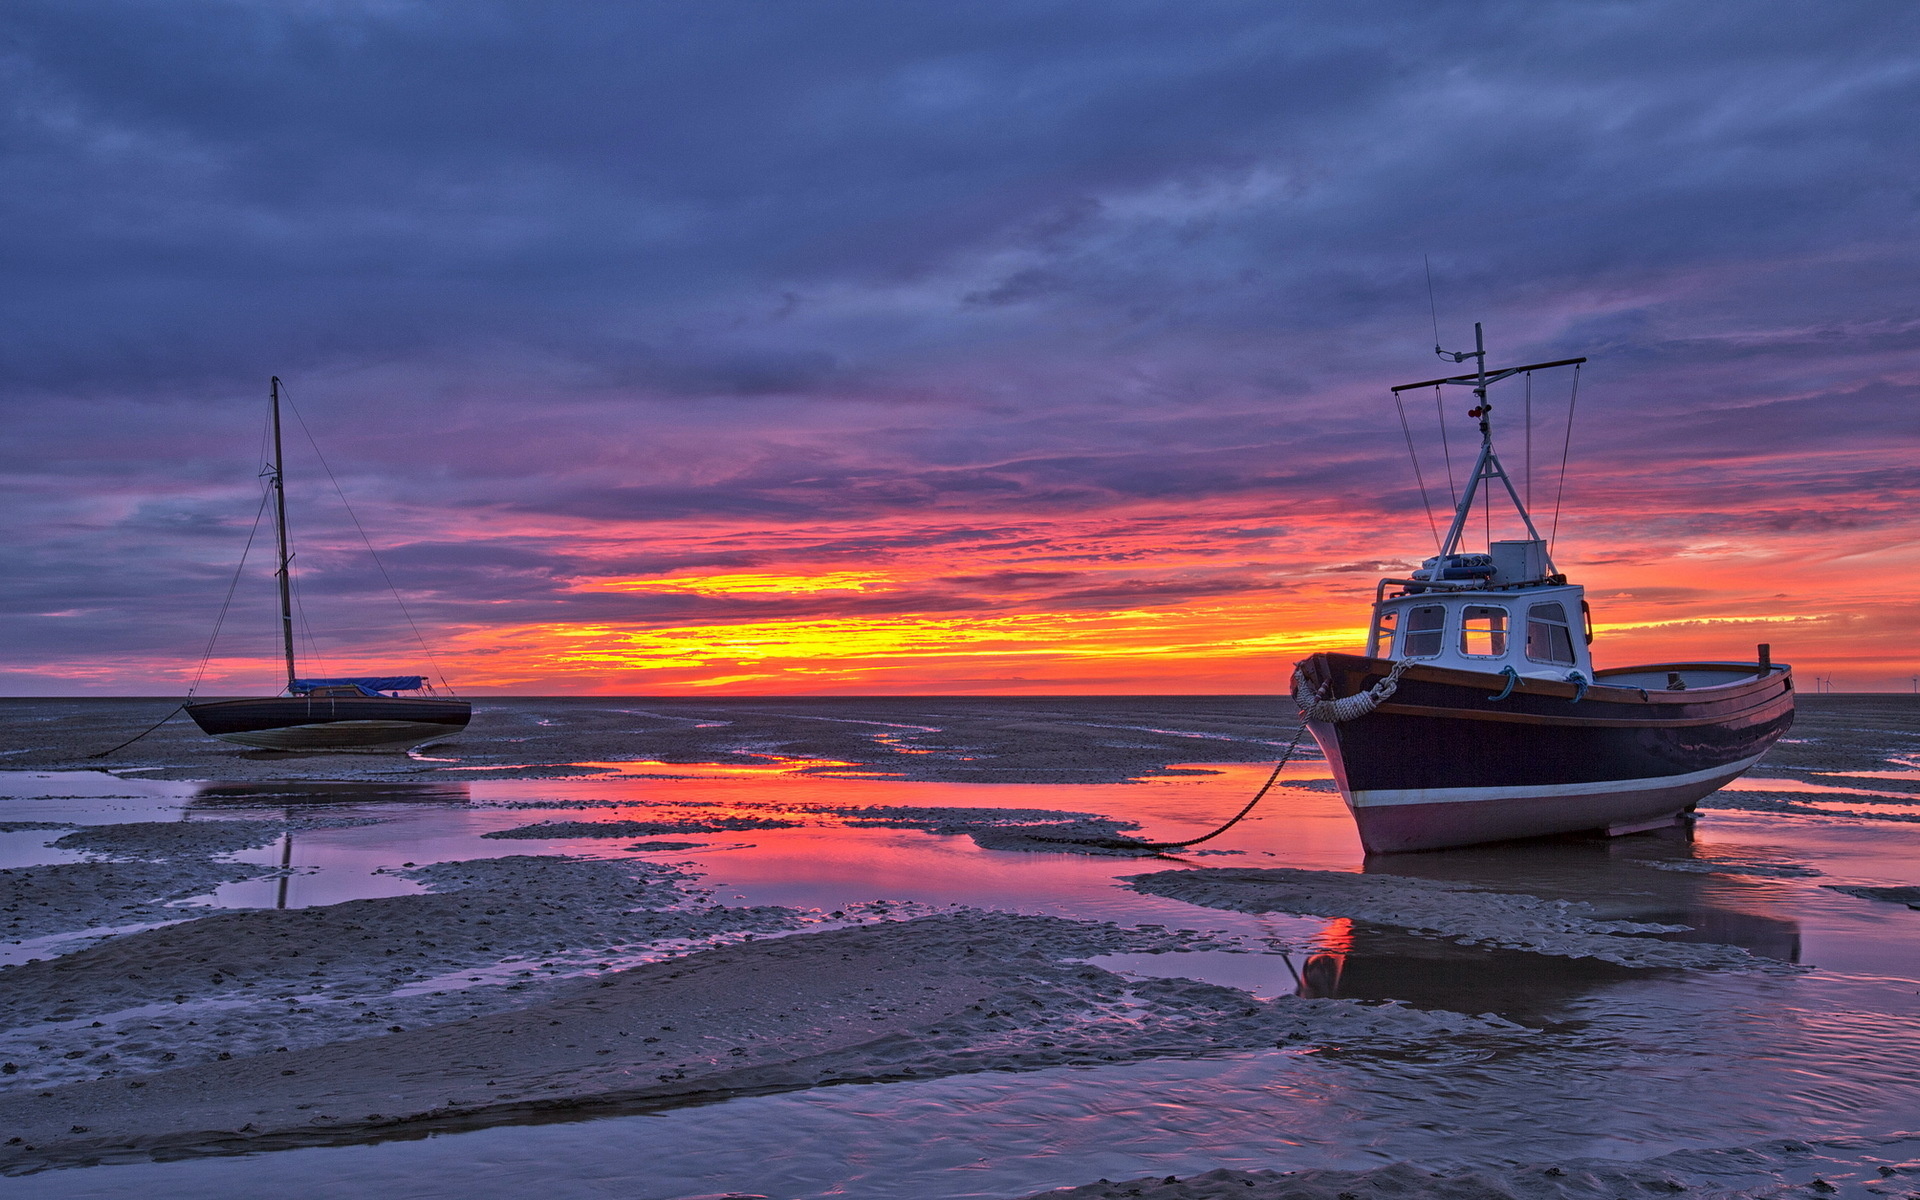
245,982
931,996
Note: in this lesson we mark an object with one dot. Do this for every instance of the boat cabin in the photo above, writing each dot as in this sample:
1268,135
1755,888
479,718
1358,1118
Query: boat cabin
335,693
1486,612
355,687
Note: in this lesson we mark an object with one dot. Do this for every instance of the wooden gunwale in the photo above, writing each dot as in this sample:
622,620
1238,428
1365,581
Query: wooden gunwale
1473,714
1730,701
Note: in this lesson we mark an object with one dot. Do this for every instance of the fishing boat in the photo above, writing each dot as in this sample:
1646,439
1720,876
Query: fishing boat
361,712
1476,714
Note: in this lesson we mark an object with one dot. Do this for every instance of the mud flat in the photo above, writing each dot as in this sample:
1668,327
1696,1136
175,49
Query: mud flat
1037,829
1784,1168
66,898
936,995
225,983
1068,739
565,978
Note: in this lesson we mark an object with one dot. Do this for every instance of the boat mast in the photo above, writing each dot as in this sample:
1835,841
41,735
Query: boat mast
1487,467
277,480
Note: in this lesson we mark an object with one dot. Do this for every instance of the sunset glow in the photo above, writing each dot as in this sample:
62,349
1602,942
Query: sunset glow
854,654
1018,355
721,585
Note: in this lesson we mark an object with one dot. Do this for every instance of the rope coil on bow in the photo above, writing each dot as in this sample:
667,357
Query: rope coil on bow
1346,708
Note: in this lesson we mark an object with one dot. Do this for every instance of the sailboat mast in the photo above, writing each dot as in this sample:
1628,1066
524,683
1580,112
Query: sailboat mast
278,481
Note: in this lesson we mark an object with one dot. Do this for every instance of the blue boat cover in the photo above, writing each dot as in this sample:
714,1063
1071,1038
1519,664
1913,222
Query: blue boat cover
369,685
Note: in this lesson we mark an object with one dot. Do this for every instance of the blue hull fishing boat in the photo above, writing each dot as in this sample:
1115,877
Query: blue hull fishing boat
1476,714
352,713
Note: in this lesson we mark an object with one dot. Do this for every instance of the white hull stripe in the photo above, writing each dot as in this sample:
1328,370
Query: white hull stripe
1604,787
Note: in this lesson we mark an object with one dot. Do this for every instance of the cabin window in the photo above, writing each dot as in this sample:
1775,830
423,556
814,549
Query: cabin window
1483,630
1549,639
1424,631
1384,622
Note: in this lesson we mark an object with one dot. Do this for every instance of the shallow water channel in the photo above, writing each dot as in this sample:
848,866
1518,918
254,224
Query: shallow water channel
1627,1063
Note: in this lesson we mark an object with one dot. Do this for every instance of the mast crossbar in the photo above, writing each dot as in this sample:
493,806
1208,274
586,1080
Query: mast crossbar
1477,380
1487,467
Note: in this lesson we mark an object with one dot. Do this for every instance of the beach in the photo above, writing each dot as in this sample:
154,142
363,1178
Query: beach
704,939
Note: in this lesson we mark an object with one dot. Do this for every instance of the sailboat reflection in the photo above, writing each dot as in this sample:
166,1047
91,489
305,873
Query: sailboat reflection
335,869
1622,879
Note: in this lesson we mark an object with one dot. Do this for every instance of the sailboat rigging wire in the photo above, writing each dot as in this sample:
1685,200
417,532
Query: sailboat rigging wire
1572,400
1417,476
319,666
220,620
1440,411
371,552
214,637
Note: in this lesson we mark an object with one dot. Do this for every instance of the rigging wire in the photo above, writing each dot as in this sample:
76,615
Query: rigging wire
306,630
206,657
368,542
1486,507
226,604
1566,446
1529,442
1417,475
266,439
1440,412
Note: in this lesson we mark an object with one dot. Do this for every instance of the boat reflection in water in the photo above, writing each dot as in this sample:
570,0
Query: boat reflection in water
1618,879
294,798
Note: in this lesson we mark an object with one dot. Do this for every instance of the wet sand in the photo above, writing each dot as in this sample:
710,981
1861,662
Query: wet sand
937,995
530,986
1090,739
1871,1167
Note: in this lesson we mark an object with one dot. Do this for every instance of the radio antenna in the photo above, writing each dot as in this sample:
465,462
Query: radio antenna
1431,306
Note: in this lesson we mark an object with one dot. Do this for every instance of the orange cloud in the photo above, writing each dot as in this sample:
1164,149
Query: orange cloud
750,584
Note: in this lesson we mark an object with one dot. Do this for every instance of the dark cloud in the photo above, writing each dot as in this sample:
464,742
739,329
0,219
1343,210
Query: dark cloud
656,287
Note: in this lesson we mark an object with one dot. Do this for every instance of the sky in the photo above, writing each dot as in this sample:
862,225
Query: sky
868,347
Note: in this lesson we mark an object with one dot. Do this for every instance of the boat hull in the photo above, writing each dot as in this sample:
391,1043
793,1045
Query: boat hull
355,723
1445,763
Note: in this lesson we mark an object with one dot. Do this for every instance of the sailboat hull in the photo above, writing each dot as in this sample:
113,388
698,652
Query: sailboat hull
307,723
1450,761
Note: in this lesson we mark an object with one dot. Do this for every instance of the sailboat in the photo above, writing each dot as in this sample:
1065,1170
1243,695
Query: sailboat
1476,714
362,712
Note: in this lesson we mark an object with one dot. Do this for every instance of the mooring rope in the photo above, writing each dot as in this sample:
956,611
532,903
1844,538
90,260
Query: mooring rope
1137,844
1346,708
1313,708
144,732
